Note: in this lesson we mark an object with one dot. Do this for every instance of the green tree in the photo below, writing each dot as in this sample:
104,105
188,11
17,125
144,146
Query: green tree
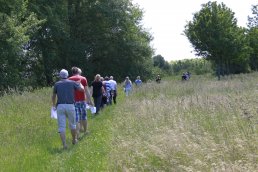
160,62
98,36
196,66
114,41
215,36
17,27
51,45
253,37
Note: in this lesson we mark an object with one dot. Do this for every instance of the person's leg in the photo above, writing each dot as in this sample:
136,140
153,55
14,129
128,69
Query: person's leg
77,117
98,102
61,119
73,133
83,119
78,128
114,97
63,139
72,121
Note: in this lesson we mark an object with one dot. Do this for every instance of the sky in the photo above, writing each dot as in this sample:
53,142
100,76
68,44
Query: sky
166,19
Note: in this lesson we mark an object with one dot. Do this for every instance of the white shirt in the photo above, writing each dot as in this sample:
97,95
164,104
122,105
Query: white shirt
112,84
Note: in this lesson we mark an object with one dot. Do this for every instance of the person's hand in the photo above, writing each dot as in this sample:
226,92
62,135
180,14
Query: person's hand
90,103
54,107
78,81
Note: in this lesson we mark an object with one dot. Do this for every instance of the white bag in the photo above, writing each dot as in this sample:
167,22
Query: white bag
53,113
93,109
87,106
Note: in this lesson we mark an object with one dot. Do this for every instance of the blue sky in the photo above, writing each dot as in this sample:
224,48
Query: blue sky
165,20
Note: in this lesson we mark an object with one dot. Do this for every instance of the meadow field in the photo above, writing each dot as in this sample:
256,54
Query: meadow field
199,125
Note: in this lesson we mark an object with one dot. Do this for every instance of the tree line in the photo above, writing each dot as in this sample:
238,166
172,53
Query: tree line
40,37
215,36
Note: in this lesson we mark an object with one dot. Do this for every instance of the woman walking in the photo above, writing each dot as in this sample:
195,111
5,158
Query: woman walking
97,89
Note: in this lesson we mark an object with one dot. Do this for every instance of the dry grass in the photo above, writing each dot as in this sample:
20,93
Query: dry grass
200,125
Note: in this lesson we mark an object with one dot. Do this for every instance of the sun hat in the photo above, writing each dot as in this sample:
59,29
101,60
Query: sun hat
63,74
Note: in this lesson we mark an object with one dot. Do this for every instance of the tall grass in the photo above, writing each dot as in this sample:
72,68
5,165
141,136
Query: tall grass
30,141
199,125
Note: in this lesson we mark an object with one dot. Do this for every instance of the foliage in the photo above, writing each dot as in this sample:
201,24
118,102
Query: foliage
160,62
98,36
17,27
40,37
215,36
196,66
253,37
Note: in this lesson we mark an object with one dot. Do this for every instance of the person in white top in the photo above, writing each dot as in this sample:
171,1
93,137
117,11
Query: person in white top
113,85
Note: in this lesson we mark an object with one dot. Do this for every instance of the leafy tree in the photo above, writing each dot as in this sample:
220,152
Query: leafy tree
51,45
253,37
17,27
215,36
114,41
160,62
196,66
98,36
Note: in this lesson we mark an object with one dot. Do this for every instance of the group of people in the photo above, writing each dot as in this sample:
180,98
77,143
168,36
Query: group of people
128,85
72,94
104,91
186,76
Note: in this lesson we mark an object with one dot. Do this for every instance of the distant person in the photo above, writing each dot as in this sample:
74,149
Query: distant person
104,94
158,79
81,99
113,85
107,90
186,76
97,90
138,81
128,86
63,101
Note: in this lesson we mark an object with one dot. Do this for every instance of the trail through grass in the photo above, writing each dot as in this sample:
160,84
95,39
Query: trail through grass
30,141
199,125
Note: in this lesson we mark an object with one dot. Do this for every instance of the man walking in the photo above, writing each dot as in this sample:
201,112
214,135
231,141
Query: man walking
80,101
113,85
63,101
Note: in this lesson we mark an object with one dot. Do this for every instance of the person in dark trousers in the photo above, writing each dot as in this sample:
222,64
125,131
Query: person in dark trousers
113,88
97,90
158,79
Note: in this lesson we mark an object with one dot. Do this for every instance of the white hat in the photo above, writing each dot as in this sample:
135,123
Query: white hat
63,74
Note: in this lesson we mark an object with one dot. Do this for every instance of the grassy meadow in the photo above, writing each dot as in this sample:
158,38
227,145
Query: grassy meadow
199,125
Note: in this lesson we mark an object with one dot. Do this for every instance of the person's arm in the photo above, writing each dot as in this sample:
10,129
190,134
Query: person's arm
79,86
54,100
88,96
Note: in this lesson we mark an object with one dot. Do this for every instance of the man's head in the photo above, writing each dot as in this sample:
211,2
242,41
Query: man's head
106,78
63,74
111,77
76,71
